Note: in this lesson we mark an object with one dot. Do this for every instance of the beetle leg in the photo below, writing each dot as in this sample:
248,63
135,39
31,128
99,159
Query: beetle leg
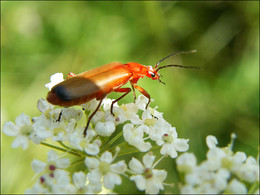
58,120
133,91
120,90
145,93
91,116
71,74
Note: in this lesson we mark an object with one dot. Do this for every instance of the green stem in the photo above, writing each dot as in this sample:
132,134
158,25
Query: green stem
253,188
110,142
130,151
65,146
78,161
61,149
121,146
71,149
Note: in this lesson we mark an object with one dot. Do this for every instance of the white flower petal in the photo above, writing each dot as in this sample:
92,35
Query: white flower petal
62,177
94,176
111,179
55,79
168,149
107,157
159,174
105,128
38,166
22,120
181,145
143,146
91,162
186,162
43,133
92,149
119,167
20,141
237,187
211,141
94,188
52,156
63,163
10,129
148,160
37,189
43,105
79,179
75,140
140,181
136,166
153,186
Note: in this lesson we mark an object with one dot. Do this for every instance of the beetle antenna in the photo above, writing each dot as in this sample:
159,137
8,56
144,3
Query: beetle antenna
161,81
178,52
180,66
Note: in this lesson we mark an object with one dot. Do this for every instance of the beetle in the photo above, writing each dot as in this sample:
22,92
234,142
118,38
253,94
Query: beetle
98,82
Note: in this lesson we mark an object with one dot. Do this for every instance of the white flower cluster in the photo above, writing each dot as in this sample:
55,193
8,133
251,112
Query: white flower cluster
223,172
141,129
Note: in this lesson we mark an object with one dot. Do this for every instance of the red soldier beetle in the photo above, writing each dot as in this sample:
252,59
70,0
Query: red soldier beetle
98,82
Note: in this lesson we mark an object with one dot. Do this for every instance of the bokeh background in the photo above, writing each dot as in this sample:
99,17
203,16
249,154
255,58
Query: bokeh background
42,38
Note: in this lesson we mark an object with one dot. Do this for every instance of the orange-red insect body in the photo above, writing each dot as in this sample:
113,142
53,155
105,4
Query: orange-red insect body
99,82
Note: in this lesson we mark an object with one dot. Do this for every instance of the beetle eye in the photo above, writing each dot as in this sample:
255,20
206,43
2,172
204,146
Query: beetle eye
152,75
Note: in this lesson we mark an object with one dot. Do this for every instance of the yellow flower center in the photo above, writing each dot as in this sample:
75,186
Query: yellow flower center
104,167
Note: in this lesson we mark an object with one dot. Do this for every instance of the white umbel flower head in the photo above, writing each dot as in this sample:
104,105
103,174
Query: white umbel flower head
220,172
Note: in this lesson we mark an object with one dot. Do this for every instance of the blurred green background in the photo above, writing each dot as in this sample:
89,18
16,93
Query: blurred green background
39,39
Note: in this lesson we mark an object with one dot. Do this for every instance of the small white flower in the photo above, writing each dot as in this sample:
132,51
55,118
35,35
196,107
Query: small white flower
105,128
54,162
134,136
62,184
41,127
142,101
107,104
103,168
90,144
79,179
60,162
186,162
38,188
55,79
61,131
145,176
236,187
43,105
54,179
166,137
128,112
91,105
38,166
22,129
82,184
72,114
211,141
249,171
